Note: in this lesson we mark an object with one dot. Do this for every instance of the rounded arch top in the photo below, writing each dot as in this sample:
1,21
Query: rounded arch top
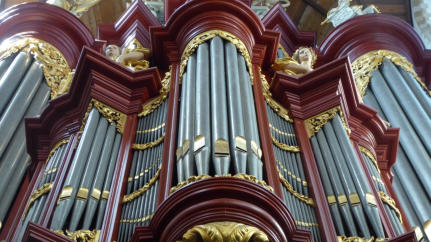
196,17
51,24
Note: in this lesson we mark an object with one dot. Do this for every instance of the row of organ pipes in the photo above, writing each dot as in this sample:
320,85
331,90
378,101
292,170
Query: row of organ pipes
217,130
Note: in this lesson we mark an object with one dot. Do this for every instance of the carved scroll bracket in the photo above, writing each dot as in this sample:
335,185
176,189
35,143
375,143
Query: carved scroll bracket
315,123
201,38
364,65
224,231
54,66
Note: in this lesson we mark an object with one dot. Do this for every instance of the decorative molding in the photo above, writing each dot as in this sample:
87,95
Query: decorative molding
390,201
285,147
55,68
364,65
371,156
150,144
315,123
224,231
130,197
289,187
113,116
81,235
42,190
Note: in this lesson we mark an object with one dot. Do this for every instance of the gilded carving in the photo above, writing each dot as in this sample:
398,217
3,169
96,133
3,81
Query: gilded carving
134,56
300,63
279,131
289,187
304,183
285,147
201,38
60,143
44,189
363,67
113,116
391,202
306,224
280,110
81,235
149,145
371,156
154,103
224,231
130,197
315,123
137,220
247,177
55,68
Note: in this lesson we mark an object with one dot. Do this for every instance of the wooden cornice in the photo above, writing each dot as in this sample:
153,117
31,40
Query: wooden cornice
49,23
95,77
195,17
291,38
35,232
331,85
222,199
366,33
133,23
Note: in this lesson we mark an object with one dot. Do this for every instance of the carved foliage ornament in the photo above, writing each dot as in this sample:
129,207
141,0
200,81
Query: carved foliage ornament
315,123
201,38
57,72
154,103
113,116
224,232
280,110
81,235
364,65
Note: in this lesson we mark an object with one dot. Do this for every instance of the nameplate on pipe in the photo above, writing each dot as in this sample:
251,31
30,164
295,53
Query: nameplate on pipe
221,148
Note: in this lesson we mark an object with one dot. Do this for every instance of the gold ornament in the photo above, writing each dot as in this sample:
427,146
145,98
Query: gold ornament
190,180
364,65
285,147
224,232
371,156
289,187
280,110
129,197
55,68
81,235
315,123
113,116
391,202
154,103
44,189
201,38
149,145
60,143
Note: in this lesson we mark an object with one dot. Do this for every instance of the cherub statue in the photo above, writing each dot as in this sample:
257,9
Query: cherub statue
300,63
133,56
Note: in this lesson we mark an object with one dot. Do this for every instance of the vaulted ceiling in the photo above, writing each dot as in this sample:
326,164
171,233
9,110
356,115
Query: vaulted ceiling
306,14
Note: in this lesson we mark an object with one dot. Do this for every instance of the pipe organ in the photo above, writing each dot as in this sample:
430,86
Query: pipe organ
222,146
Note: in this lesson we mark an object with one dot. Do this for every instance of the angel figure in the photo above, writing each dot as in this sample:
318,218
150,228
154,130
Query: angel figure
133,56
300,63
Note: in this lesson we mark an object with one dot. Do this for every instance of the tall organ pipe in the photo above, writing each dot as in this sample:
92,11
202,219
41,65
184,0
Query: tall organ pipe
220,136
202,130
236,120
75,171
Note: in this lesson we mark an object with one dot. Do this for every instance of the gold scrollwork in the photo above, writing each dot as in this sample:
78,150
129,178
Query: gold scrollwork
285,147
130,197
60,143
367,63
247,177
224,231
391,202
371,156
149,145
137,220
55,68
289,187
280,132
315,123
306,224
81,235
291,174
45,188
154,103
201,38
112,115
152,129
280,110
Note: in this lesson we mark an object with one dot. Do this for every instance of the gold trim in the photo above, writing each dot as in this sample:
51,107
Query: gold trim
146,170
364,65
418,233
66,192
137,220
190,180
45,188
55,68
342,199
60,143
224,231
378,180
280,110
391,203
130,197
149,145
279,131
289,187
81,235
354,199
154,103
370,155
370,199
111,114
105,194
331,199
285,147
254,180
306,224
82,193
290,173
201,38
315,123
152,129
356,239
96,194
